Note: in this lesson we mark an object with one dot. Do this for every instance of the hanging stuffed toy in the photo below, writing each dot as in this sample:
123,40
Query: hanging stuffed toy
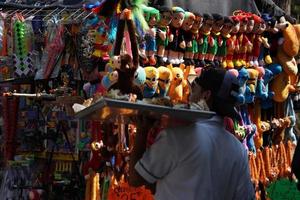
262,89
242,41
202,40
176,40
214,40
129,65
233,43
260,42
192,51
225,42
251,85
163,33
187,24
152,17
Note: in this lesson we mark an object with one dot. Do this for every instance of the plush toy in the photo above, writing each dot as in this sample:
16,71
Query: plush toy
164,81
176,40
202,40
258,30
128,65
140,76
270,72
152,18
237,92
262,89
113,64
191,51
232,42
290,113
281,86
109,79
225,42
163,33
150,85
187,24
250,35
243,42
251,85
179,89
243,76
214,39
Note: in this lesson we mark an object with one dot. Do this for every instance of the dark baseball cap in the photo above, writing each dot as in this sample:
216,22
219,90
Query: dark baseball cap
222,84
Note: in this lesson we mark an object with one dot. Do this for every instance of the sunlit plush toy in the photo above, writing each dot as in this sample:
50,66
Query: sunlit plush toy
214,39
164,81
176,40
193,50
152,17
262,89
202,40
232,42
163,33
179,89
187,24
150,85
224,41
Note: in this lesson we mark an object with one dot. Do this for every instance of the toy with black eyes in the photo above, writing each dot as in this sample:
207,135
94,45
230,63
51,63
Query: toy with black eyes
150,85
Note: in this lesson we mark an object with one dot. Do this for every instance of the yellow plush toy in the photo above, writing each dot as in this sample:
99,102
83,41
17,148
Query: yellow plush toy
284,83
281,86
291,41
151,82
164,81
179,89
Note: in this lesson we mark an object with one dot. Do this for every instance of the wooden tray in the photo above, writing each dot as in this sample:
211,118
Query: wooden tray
105,109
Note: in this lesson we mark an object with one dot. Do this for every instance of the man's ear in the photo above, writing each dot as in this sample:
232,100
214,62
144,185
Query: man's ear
206,94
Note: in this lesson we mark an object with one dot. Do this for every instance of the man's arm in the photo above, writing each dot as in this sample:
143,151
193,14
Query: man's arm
139,148
244,189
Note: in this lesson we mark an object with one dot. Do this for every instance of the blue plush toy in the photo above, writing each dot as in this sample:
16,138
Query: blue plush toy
249,127
290,112
109,79
140,76
271,71
262,89
243,77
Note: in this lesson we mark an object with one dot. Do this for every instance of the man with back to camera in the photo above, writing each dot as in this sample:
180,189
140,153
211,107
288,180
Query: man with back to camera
200,161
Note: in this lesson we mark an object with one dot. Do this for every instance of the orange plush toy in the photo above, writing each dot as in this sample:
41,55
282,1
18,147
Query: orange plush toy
179,89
